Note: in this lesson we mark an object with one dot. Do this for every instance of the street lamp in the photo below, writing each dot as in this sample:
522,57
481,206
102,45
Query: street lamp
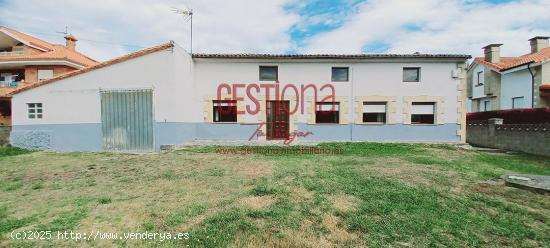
187,14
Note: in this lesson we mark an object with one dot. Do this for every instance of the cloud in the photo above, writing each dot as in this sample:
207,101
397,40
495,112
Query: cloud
282,26
219,26
435,26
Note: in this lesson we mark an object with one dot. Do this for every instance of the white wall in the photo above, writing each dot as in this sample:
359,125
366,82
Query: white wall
516,84
478,91
76,99
180,85
368,79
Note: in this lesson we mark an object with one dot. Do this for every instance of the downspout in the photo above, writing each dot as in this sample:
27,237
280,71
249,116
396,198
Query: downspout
532,85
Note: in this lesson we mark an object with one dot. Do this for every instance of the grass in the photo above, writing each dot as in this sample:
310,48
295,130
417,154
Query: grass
372,194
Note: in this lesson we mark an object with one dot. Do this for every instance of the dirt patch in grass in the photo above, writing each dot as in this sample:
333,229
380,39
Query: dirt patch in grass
343,202
396,168
258,202
300,195
256,169
338,233
308,235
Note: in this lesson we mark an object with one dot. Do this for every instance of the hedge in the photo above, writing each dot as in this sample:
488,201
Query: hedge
513,116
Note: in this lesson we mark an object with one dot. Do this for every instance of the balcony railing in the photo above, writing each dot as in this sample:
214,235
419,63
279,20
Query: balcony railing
5,54
8,84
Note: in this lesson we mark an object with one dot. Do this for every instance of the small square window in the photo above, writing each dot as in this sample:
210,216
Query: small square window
423,113
269,73
411,74
34,110
225,111
340,74
327,112
374,112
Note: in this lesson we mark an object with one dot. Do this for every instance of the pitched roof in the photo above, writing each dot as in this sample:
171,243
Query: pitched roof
98,66
51,51
512,62
327,56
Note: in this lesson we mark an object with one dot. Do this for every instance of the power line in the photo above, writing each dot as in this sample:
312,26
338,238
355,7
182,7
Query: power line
92,41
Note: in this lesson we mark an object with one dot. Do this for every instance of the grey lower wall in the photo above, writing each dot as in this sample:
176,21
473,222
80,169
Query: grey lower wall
5,135
63,137
529,138
395,132
88,137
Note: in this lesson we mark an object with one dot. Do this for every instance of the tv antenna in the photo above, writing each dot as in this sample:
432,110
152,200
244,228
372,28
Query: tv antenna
187,14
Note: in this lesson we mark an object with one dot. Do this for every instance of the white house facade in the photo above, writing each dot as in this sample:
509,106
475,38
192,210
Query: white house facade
163,95
500,83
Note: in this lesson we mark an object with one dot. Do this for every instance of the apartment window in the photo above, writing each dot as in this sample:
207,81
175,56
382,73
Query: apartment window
517,102
423,113
34,110
327,112
411,74
45,74
225,111
340,74
374,112
487,105
479,78
269,73
18,49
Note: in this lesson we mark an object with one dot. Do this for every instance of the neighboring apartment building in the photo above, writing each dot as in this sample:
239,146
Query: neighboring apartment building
496,82
26,60
164,95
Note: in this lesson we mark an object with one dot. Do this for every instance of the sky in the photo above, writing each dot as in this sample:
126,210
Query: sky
110,28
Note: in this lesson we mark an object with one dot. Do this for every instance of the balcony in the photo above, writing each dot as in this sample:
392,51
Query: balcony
12,84
15,53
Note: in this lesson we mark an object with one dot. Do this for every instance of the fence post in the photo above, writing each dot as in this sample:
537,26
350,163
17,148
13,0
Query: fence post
492,125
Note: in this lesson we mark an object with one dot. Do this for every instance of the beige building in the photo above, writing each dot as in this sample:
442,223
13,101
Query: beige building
496,82
26,60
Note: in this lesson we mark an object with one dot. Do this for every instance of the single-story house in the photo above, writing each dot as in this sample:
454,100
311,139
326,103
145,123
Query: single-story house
164,95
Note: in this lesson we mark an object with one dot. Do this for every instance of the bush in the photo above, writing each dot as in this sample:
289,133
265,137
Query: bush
12,151
513,116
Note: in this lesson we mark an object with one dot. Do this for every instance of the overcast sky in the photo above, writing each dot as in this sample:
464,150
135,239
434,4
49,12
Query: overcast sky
110,28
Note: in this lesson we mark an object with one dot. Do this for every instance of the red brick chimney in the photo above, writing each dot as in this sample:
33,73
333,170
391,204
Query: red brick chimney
71,42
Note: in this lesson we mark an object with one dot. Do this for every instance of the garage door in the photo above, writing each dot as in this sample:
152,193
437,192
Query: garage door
127,120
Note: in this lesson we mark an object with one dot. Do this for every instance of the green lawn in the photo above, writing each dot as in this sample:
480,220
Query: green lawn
399,195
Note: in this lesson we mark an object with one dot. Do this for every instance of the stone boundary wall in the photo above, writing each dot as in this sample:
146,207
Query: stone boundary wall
529,138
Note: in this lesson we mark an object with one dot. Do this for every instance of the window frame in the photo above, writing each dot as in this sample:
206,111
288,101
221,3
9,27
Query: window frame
419,73
337,112
515,98
37,111
376,103
485,103
479,83
265,67
339,68
434,118
44,69
215,107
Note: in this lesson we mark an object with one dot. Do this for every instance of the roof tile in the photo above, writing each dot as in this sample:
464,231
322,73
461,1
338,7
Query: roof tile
512,62
53,51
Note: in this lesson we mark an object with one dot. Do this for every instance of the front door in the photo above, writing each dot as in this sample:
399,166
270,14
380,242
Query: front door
277,120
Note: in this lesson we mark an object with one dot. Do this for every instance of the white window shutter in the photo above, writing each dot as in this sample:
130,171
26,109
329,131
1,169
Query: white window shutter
423,109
